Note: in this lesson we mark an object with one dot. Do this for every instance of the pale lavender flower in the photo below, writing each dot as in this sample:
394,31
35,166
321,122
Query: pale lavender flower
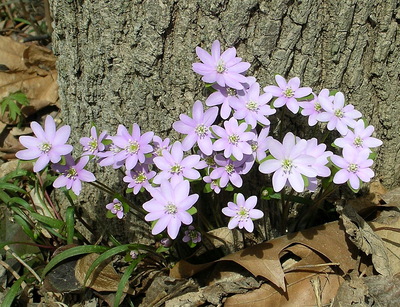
134,254
227,171
338,116
259,144
107,157
197,128
289,163
253,107
174,166
233,139
214,185
47,145
159,145
355,166
242,212
73,174
138,177
93,145
133,146
287,93
169,207
360,138
191,235
116,208
226,69
225,95
321,155
313,108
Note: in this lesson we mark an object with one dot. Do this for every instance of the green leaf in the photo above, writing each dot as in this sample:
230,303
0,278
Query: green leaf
52,222
22,202
25,226
192,210
4,197
125,278
70,221
11,187
74,251
13,292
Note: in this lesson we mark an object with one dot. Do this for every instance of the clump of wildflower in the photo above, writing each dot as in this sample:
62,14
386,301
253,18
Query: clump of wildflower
355,166
73,174
287,93
242,212
191,235
226,69
93,145
116,208
47,145
169,207
197,128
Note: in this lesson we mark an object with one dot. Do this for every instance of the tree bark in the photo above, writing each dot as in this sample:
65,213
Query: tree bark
126,61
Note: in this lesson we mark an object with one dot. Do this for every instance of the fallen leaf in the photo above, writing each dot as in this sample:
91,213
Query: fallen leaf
392,197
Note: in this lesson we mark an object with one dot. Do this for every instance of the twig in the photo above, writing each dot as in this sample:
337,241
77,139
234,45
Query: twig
8,249
12,271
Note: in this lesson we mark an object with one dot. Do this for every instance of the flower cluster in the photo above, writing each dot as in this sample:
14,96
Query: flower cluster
215,150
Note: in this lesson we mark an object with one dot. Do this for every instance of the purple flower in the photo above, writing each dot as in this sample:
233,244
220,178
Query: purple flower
355,166
252,107
138,177
337,115
72,174
242,213
225,68
47,145
225,95
116,208
289,163
318,151
173,166
313,108
287,93
213,184
160,145
360,138
107,157
191,235
233,139
169,207
198,128
226,171
93,145
259,144
133,146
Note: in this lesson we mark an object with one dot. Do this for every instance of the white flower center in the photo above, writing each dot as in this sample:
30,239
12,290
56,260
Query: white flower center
234,139
71,173
353,168
201,130
170,208
254,145
242,214
220,66
358,142
45,147
229,168
287,165
118,207
92,144
132,147
288,93
140,178
176,169
231,91
339,113
317,107
252,106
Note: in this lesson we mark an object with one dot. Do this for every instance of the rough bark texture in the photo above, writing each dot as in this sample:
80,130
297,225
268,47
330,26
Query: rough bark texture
130,61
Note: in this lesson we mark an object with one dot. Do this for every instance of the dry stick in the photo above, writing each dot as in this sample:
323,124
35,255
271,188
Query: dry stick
8,249
12,271
316,284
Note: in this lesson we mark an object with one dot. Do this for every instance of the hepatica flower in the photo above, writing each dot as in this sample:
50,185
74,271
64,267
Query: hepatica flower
313,108
253,107
360,138
338,116
226,69
159,145
116,208
197,128
174,166
47,145
242,213
191,235
233,139
169,207
73,174
289,163
355,166
93,145
287,93
227,171
259,144
133,146
139,177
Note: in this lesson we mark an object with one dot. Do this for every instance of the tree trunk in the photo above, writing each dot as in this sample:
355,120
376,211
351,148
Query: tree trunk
126,61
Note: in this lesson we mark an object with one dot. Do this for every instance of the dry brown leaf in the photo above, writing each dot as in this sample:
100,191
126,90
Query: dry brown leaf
104,278
373,198
263,259
392,197
362,235
31,70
